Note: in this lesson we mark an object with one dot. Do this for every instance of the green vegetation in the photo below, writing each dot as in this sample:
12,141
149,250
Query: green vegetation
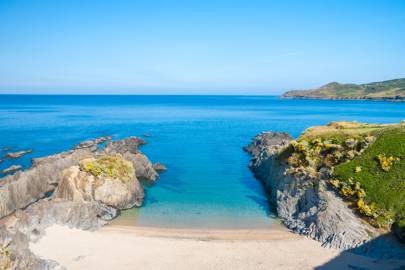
111,166
364,163
392,89
382,177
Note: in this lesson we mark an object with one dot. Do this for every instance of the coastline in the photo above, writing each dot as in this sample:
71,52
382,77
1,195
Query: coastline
343,99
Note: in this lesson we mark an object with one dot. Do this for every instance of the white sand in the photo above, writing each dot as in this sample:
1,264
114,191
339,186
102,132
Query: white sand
120,248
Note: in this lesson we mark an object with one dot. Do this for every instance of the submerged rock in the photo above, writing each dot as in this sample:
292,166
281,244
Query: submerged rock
12,168
18,154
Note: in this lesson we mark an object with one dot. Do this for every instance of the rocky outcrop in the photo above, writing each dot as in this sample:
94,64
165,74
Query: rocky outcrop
128,148
82,215
306,207
23,188
10,169
15,253
18,154
82,186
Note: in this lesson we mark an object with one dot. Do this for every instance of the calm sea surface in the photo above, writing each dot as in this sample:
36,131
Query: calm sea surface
199,139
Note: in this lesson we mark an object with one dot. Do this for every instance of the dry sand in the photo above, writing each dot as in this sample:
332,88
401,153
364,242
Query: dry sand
128,248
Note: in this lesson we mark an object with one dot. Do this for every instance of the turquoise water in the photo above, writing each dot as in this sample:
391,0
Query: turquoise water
199,139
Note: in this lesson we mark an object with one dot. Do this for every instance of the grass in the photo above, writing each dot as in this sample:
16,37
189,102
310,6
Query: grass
384,188
111,166
386,89
340,131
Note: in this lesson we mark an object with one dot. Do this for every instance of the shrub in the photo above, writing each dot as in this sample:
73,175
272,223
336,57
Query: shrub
111,166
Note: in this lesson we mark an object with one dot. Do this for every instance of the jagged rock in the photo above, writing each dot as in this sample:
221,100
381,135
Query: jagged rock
92,143
12,168
265,139
130,144
128,148
16,255
305,205
23,188
159,167
143,167
33,220
102,139
78,185
18,154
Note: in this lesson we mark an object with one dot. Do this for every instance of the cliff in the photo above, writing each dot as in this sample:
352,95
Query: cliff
300,176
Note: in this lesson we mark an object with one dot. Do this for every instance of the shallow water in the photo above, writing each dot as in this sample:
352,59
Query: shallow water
199,139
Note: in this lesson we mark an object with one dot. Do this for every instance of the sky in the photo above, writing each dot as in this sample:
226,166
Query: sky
197,46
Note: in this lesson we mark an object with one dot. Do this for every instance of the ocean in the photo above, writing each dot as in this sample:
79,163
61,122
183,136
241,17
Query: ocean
199,139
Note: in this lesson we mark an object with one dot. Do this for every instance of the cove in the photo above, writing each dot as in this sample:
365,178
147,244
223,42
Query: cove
199,139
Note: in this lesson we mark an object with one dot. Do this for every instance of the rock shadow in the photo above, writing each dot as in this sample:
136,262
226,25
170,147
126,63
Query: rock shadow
383,252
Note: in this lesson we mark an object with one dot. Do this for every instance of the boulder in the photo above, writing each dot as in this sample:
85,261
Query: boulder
108,179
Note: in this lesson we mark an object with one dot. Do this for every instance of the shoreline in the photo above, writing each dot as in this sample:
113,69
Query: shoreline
277,232
127,248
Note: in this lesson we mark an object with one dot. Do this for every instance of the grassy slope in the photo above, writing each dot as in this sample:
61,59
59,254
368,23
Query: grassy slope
386,189
385,89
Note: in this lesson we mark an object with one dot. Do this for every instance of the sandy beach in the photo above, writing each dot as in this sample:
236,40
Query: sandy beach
125,248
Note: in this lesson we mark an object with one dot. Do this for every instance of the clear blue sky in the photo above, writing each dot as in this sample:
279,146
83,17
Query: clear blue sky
172,46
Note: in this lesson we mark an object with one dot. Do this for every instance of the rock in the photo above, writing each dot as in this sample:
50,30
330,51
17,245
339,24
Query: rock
15,253
12,168
128,148
159,167
102,139
75,214
144,170
130,145
351,143
274,139
18,154
305,204
23,188
120,193
92,144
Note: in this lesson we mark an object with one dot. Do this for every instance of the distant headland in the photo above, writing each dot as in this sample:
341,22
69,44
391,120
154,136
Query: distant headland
393,90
